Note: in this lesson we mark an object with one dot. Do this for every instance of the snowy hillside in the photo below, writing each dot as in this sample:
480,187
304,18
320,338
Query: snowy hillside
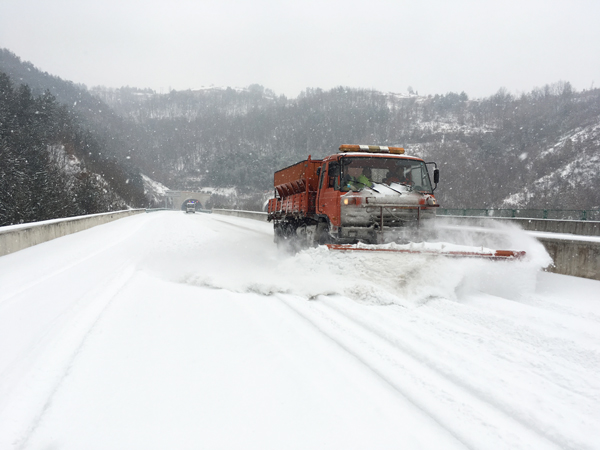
577,170
168,330
154,191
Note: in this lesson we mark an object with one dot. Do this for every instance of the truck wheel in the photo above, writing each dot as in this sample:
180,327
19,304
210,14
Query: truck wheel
290,232
277,231
322,234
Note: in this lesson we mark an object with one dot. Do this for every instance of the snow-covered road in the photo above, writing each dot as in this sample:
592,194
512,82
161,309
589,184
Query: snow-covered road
177,331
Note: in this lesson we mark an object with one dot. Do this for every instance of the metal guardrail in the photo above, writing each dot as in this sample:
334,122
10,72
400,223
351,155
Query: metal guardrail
199,210
550,214
256,215
149,210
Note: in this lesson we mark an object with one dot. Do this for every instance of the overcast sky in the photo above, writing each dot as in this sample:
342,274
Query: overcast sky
434,46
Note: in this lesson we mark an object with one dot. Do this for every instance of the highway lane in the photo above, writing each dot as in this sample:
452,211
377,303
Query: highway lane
187,331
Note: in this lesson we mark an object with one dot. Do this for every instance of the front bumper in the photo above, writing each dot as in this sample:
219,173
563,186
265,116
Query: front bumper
381,223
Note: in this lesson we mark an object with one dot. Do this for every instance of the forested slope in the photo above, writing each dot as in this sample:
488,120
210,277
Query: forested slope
54,162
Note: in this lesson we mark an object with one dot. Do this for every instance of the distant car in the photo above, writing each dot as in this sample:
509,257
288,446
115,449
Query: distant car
190,207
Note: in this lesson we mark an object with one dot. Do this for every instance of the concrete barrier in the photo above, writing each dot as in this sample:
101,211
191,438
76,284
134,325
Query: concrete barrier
17,237
256,215
573,257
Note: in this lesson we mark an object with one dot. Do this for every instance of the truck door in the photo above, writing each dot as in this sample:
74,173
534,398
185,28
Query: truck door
328,200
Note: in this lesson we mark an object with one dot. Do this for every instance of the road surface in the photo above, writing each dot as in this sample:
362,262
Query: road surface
168,330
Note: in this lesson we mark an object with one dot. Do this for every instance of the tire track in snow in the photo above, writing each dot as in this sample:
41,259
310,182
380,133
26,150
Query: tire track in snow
10,297
341,337
487,384
528,340
239,226
424,383
65,348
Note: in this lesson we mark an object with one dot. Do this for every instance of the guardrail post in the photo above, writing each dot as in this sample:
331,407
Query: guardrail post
545,215
584,215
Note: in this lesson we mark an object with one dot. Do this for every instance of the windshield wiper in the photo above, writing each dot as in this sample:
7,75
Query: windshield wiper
365,186
395,190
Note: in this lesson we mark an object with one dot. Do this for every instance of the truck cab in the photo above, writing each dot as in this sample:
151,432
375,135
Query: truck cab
364,194
369,194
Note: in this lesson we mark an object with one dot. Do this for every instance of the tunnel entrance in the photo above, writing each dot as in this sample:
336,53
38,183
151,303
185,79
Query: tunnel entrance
178,199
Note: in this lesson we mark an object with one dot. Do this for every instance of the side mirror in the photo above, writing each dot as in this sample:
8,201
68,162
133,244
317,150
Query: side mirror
436,176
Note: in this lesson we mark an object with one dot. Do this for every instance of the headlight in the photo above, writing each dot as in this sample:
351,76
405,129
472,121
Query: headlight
352,201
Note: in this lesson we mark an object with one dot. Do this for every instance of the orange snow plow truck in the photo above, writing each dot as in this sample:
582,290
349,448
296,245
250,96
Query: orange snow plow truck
364,194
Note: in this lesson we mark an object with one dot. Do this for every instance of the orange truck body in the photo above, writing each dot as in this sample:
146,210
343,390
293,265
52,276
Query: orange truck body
316,201
296,188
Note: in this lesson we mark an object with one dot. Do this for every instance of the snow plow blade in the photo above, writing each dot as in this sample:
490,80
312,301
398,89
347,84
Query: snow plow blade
485,253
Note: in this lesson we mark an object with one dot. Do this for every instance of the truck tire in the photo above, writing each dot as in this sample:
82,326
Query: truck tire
322,234
277,234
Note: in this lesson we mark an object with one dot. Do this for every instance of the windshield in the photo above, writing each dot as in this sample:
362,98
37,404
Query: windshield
361,172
